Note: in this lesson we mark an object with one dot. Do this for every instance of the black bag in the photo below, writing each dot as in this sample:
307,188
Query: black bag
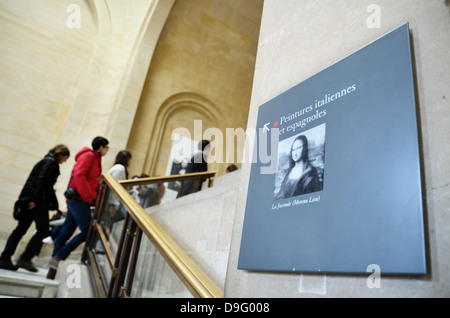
71,194
19,207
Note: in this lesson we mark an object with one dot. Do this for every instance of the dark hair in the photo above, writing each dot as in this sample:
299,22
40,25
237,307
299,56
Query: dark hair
123,157
60,151
232,168
99,141
305,153
202,144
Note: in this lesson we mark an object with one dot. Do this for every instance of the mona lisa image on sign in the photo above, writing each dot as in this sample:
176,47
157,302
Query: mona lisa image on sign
346,190
301,164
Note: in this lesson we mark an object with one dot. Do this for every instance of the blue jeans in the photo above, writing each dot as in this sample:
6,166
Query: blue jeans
79,215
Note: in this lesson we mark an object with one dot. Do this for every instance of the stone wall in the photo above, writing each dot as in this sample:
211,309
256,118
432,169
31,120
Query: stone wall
202,69
301,38
201,224
70,70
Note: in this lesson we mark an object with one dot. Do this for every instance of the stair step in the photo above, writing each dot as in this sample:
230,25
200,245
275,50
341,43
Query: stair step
22,283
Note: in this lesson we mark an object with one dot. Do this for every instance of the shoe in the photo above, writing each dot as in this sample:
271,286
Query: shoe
48,240
53,267
51,273
7,264
28,265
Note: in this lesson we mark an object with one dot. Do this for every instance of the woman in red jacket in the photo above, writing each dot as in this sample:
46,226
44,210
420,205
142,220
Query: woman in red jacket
81,194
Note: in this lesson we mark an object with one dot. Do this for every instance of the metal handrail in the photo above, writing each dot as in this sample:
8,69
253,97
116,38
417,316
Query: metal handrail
175,177
187,271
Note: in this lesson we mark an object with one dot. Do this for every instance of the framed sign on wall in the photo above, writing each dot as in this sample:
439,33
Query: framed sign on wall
346,190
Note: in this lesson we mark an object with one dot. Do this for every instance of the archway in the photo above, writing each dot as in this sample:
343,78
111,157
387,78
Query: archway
178,111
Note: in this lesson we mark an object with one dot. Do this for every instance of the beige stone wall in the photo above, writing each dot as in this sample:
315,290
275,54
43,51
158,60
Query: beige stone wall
202,69
301,38
42,63
64,82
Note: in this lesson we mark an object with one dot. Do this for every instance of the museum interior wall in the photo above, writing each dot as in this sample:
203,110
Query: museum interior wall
130,71
300,39
135,74
202,69
42,64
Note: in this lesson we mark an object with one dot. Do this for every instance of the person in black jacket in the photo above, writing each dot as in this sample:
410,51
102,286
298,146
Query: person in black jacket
35,200
198,163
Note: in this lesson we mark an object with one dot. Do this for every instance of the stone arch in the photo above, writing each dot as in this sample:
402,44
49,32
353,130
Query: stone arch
191,106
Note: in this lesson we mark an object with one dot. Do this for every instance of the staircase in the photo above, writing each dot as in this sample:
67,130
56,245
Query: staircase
25,284
72,279
200,223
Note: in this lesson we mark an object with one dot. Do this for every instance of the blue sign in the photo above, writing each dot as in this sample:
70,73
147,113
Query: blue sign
345,192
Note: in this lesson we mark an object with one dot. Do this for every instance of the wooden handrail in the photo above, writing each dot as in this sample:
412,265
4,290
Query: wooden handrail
103,240
175,177
193,278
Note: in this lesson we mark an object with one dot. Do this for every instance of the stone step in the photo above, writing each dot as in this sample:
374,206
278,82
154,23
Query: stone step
22,283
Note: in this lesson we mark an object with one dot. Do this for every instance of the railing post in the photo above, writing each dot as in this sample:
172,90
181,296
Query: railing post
123,260
210,182
133,261
136,224
115,269
95,218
